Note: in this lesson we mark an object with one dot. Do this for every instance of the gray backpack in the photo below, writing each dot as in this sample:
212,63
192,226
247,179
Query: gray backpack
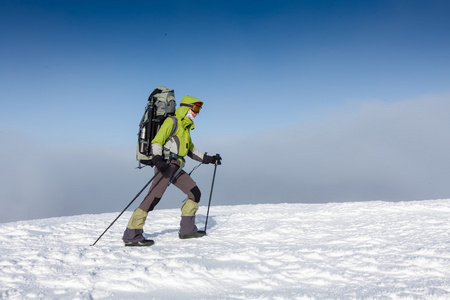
160,105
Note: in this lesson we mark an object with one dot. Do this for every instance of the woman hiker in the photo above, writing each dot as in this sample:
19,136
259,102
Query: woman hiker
168,158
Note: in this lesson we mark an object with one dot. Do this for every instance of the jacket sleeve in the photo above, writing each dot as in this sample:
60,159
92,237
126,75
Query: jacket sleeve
194,153
161,136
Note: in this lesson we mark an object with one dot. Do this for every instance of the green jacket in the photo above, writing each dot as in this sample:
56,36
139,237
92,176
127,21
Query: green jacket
180,143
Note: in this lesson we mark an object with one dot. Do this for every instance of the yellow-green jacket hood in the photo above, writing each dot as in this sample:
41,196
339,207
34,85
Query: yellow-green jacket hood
182,110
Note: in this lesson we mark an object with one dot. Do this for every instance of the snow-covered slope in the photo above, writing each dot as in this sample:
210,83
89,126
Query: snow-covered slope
364,250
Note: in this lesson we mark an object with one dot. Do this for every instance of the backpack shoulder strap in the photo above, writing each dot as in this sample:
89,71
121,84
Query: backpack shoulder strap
174,127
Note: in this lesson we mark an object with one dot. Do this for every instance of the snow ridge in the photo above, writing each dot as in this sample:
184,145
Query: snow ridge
358,250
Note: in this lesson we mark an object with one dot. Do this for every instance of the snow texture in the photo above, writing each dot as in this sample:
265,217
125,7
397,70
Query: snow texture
358,250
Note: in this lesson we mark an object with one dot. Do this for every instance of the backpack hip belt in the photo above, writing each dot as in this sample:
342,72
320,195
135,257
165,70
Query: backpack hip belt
168,156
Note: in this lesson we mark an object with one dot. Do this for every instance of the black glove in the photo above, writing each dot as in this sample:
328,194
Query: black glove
160,163
212,159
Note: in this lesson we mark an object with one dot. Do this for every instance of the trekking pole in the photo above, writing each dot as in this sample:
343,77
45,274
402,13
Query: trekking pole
125,208
210,195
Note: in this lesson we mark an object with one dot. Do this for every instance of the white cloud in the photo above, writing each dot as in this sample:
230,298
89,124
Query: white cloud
384,151
41,180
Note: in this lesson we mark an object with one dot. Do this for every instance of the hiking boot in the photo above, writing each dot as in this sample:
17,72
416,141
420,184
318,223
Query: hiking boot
197,234
140,244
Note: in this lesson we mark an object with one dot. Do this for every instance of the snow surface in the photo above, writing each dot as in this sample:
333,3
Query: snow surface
363,250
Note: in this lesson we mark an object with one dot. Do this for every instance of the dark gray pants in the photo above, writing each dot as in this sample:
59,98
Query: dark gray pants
182,181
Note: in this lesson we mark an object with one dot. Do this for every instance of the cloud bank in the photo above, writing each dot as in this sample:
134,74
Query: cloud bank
378,151
374,151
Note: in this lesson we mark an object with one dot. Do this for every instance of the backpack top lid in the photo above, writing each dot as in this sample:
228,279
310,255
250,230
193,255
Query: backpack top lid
163,100
161,90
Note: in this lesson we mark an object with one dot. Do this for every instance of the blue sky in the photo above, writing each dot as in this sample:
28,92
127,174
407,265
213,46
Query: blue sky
279,79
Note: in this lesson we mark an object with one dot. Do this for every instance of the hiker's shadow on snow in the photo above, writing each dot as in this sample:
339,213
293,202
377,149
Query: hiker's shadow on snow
200,224
201,220
155,234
